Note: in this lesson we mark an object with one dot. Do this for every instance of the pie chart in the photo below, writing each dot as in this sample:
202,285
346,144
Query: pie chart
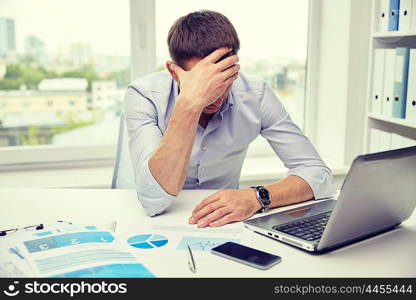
147,241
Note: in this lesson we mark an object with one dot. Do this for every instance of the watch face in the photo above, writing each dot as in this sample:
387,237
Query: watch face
264,195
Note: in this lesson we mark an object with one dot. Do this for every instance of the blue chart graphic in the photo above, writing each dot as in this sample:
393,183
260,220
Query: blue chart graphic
68,239
202,243
147,241
43,233
90,227
110,271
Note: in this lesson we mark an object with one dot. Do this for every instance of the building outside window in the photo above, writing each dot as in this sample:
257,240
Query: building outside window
44,54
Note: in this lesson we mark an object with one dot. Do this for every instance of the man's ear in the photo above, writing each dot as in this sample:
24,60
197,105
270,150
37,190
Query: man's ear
172,73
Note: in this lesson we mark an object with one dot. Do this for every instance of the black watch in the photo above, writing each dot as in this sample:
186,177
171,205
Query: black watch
264,198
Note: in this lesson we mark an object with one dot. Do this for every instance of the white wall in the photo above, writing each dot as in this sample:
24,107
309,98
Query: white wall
332,80
339,76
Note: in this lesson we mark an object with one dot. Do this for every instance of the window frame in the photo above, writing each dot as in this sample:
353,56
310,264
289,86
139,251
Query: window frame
312,69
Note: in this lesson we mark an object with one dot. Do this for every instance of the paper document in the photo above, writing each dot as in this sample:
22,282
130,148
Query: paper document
162,239
68,250
83,253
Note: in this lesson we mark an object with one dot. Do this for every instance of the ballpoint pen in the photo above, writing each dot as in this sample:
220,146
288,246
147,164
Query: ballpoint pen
17,252
191,261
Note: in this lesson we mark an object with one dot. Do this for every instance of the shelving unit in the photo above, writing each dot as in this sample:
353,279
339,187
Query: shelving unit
393,34
392,120
372,120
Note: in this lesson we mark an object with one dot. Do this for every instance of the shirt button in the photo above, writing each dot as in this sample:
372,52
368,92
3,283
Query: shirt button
204,147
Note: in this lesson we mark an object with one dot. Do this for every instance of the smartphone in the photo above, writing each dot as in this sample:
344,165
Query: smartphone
246,255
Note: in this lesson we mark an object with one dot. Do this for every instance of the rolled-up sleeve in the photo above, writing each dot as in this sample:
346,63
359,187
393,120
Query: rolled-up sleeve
144,137
292,146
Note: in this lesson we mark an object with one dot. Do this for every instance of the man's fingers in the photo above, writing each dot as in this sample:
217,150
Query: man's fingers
228,218
207,209
231,79
227,62
206,201
217,54
214,216
231,71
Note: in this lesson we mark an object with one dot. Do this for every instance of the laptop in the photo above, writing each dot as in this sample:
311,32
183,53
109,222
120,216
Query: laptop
378,193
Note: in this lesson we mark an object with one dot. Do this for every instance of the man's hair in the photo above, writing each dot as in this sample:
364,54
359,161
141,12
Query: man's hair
198,34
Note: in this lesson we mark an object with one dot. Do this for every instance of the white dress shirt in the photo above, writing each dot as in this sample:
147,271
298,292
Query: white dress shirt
219,150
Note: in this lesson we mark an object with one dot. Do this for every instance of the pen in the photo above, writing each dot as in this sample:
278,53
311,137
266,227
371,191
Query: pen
15,251
191,262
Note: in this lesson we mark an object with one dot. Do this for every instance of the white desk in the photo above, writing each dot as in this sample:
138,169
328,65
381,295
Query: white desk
391,254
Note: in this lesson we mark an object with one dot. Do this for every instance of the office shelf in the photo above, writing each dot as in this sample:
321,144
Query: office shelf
394,34
397,121
381,40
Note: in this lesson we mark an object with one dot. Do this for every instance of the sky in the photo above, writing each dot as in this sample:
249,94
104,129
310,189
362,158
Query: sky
104,24
267,28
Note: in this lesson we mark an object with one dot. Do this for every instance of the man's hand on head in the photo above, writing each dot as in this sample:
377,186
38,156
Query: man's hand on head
225,206
208,79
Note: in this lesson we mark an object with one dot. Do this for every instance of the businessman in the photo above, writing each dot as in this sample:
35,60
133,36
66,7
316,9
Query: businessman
190,126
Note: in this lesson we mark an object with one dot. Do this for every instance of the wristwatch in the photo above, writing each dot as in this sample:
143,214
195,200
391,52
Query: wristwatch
263,196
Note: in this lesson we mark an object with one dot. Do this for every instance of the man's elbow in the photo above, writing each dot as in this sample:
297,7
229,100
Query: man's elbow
169,184
154,205
173,190
154,196
153,213
170,190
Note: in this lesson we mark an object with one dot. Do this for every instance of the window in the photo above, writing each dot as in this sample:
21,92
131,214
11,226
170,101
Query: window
268,48
39,61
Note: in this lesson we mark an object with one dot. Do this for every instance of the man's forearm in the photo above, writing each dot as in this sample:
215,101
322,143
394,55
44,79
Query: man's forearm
205,82
169,163
289,190
227,206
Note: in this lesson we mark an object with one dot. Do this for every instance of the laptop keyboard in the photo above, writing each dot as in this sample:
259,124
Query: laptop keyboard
309,229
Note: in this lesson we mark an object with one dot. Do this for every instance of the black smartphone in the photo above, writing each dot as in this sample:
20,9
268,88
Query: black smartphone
246,255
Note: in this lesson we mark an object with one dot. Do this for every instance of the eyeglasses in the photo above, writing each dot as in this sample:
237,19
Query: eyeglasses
13,230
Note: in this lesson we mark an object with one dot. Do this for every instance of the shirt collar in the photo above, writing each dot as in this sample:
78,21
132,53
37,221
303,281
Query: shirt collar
230,99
